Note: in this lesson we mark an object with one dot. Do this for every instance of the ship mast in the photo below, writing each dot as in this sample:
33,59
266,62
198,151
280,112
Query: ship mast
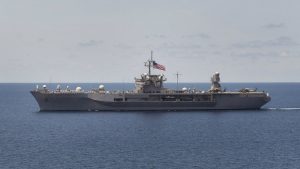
177,75
150,62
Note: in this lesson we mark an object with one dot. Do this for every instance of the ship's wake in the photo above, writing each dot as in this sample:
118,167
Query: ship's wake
283,108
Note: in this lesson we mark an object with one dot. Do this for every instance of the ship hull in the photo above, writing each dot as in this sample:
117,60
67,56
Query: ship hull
105,102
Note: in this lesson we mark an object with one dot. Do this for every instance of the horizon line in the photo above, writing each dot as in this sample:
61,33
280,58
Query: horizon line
133,82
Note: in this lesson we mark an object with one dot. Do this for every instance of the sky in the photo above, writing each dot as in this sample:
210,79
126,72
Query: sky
109,41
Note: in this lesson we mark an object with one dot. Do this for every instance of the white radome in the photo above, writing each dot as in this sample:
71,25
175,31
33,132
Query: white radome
101,87
78,89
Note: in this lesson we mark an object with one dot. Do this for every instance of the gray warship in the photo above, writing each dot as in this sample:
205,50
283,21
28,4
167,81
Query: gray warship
150,95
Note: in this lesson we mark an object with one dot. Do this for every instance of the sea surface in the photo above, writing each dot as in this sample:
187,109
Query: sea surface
267,138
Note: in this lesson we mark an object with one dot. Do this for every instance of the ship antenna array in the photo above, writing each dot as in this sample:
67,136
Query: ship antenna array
150,63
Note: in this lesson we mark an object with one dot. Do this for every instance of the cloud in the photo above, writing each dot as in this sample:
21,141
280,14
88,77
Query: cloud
217,52
90,43
259,56
199,35
172,45
274,26
160,36
284,54
123,46
41,40
252,54
282,41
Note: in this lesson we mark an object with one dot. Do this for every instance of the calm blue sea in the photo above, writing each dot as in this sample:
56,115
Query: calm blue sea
267,138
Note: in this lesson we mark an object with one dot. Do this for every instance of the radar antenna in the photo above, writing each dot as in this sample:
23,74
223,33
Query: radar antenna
149,63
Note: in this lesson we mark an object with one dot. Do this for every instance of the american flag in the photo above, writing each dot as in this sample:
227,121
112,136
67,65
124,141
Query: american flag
159,66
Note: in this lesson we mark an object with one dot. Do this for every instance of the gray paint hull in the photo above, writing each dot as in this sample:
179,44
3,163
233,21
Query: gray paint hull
105,102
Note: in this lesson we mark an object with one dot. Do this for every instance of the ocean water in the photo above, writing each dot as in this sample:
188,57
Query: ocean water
267,138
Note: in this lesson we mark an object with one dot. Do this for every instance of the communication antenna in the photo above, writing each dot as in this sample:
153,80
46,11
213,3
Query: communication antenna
177,76
151,55
149,63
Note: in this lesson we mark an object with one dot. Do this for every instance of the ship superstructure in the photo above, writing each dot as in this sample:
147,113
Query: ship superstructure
149,94
150,83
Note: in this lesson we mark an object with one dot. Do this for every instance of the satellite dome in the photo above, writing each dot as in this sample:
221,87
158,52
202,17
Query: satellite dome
101,87
78,89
